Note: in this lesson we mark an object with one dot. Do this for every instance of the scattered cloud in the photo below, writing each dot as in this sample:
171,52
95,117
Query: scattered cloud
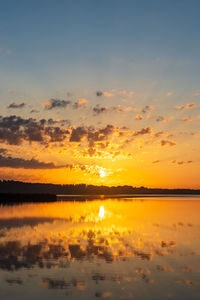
131,93
163,119
121,93
107,94
99,93
56,103
99,110
143,131
34,111
167,143
179,107
148,108
15,105
181,162
187,106
186,119
138,117
80,103
190,105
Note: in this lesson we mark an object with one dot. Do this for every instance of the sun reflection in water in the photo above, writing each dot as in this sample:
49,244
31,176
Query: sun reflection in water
101,212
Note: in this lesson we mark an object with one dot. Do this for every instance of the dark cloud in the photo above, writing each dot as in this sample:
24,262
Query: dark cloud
163,119
143,131
2,150
181,162
98,110
34,111
56,103
78,133
155,161
100,134
147,108
99,93
167,143
14,130
56,134
12,162
160,119
92,135
15,105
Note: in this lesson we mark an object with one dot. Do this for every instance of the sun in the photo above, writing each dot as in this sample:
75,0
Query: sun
102,173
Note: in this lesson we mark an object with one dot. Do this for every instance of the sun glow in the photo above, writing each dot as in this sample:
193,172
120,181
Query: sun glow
102,173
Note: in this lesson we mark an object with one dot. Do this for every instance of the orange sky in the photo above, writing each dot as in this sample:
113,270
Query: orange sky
103,144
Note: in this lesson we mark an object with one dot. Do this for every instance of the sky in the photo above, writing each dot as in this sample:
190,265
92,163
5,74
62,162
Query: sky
100,92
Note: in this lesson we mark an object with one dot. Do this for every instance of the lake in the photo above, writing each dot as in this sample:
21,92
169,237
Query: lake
144,248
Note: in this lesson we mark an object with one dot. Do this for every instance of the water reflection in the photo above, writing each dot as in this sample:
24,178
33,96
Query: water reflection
110,249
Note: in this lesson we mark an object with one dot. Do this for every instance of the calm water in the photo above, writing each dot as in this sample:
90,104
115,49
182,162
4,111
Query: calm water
127,249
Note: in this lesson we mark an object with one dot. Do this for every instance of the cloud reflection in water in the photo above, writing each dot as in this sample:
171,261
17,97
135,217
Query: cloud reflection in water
71,247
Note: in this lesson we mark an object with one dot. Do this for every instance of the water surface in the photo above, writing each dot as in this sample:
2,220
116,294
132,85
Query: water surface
133,249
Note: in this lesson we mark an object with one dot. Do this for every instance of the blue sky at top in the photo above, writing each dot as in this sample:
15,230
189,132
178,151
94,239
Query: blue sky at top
51,46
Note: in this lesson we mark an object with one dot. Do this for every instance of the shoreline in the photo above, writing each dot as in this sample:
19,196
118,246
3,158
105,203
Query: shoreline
20,198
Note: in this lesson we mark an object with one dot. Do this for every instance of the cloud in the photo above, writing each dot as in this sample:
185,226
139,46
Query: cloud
181,162
14,130
99,110
190,105
179,107
107,94
138,117
99,93
78,133
11,162
80,103
15,105
163,119
118,108
34,111
187,106
121,93
143,131
131,93
186,119
148,108
91,134
167,143
56,103
155,161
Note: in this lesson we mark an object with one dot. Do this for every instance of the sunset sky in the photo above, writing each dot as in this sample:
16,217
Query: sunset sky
100,92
